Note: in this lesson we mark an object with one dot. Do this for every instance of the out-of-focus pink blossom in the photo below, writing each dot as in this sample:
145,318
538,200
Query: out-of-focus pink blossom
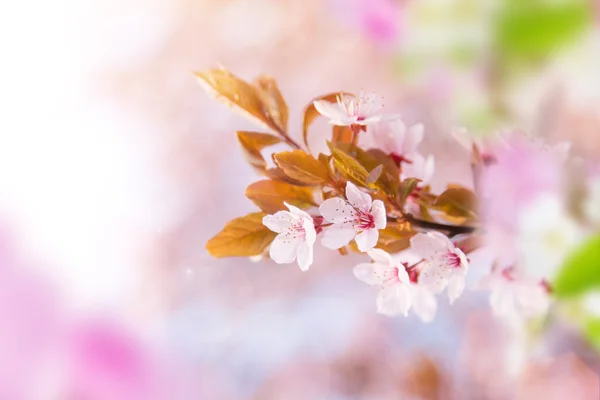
380,20
514,296
520,172
106,362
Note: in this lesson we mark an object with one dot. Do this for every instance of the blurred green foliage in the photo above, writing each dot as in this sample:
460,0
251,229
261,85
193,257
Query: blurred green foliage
581,271
534,30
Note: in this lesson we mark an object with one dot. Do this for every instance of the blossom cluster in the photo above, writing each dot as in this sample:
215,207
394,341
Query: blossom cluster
371,194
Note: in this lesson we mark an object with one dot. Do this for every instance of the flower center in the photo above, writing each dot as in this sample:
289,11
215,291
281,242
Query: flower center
364,220
452,260
296,231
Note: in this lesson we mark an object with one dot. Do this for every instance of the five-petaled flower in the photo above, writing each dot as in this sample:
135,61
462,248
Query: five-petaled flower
358,217
515,296
398,290
352,110
296,237
444,265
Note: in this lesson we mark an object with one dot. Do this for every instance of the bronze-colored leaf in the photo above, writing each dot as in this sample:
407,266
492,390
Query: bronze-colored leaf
389,180
310,113
349,167
302,166
395,237
457,202
252,143
269,195
273,100
342,134
241,237
237,94
277,174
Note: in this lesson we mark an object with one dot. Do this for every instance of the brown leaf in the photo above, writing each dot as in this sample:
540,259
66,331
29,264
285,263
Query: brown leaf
395,237
241,237
237,94
457,202
277,174
302,166
310,113
252,143
269,195
342,134
389,179
273,100
349,167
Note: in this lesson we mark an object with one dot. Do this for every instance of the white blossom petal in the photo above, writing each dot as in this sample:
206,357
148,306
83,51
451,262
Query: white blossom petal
424,304
296,211
283,250
337,235
428,170
309,231
367,239
329,110
412,139
434,276
305,255
371,273
337,210
278,222
357,198
381,257
427,245
379,214
502,301
394,300
456,285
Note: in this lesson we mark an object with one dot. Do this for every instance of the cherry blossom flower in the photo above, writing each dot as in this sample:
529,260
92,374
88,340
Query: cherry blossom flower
444,264
516,296
296,237
396,139
352,110
546,234
398,291
359,218
421,168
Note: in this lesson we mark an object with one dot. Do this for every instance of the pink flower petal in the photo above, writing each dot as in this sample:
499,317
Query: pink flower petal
358,198
394,300
337,236
379,214
337,211
367,239
283,250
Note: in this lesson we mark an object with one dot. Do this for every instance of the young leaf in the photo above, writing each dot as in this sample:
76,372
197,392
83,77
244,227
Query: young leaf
252,143
302,166
349,167
237,94
406,188
374,174
581,270
310,113
241,237
273,100
457,202
269,195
